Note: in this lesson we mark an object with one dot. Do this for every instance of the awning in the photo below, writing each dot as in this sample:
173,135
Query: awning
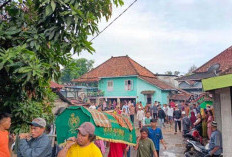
146,92
217,82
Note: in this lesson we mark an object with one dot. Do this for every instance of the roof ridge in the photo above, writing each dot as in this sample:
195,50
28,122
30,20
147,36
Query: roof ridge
224,51
94,69
142,67
128,58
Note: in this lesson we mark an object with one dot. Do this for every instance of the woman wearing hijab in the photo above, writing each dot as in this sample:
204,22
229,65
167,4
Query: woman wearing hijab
193,118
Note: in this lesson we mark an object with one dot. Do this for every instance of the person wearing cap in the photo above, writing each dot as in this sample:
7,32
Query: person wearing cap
215,143
140,116
83,145
37,143
155,134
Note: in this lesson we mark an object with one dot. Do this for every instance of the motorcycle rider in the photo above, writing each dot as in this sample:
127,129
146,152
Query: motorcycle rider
215,143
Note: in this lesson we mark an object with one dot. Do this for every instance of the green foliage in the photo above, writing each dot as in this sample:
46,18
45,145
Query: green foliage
24,91
75,69
191,69
36,38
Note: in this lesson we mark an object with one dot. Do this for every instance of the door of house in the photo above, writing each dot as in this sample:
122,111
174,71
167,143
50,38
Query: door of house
149,98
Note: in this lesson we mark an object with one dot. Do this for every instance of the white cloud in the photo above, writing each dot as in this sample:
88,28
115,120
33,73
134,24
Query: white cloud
163,35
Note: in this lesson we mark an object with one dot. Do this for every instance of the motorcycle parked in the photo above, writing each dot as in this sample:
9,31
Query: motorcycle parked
193,135
196,149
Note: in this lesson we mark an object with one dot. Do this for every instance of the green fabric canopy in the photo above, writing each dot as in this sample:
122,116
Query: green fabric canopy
72,117
205,103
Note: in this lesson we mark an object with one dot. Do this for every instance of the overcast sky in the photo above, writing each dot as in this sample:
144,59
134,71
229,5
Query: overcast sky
165,35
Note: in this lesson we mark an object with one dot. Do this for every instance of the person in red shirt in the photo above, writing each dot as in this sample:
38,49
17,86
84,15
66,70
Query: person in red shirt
5,122
117,150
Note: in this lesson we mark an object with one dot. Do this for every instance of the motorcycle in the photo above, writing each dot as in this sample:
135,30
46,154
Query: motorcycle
196,149
193,135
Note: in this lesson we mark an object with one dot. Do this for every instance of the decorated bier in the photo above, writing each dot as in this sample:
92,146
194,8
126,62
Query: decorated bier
109,126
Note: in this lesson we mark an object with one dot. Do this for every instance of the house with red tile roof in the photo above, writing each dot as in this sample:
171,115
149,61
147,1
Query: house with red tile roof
122,78
219,65
220,86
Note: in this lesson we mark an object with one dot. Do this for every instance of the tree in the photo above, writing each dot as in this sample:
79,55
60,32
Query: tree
191,69
168,72
36,37
176,73
76,69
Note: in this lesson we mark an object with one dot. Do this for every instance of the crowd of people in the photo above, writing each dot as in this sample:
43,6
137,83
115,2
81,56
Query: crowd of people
151,119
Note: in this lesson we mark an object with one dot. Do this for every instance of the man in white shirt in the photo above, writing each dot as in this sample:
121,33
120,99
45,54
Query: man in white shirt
92,106
140,116
126,107
170,114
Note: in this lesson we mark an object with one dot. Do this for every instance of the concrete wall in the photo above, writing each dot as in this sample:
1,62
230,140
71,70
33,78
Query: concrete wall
217,109
226,118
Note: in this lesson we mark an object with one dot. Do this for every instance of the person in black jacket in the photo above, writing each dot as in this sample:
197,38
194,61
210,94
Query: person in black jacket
177,118
161,116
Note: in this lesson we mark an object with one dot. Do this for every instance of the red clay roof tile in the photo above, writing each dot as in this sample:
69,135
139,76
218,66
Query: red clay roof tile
121,66
224,59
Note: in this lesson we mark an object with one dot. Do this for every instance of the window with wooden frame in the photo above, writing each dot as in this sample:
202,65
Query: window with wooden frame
129,85
110,85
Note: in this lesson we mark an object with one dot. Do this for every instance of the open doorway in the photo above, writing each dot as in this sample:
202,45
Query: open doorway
149,99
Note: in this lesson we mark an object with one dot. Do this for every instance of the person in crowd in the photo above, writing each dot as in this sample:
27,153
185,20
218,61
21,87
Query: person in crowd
155,110
100,144
193,118
114,104
177,118
104,105
165,109
132,112
147,108
215,143
134,103
140,116
147,120
5,123
37,143
117,109
92,106
187,109
155,134
124,113
117,149
172,104
194,109
161,116
126,107
186,123
198,124
83,145
99,108
145,146
170,114
198,108
209,121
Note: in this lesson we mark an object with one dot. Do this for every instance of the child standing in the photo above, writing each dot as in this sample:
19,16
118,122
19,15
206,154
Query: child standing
147,120
140,116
